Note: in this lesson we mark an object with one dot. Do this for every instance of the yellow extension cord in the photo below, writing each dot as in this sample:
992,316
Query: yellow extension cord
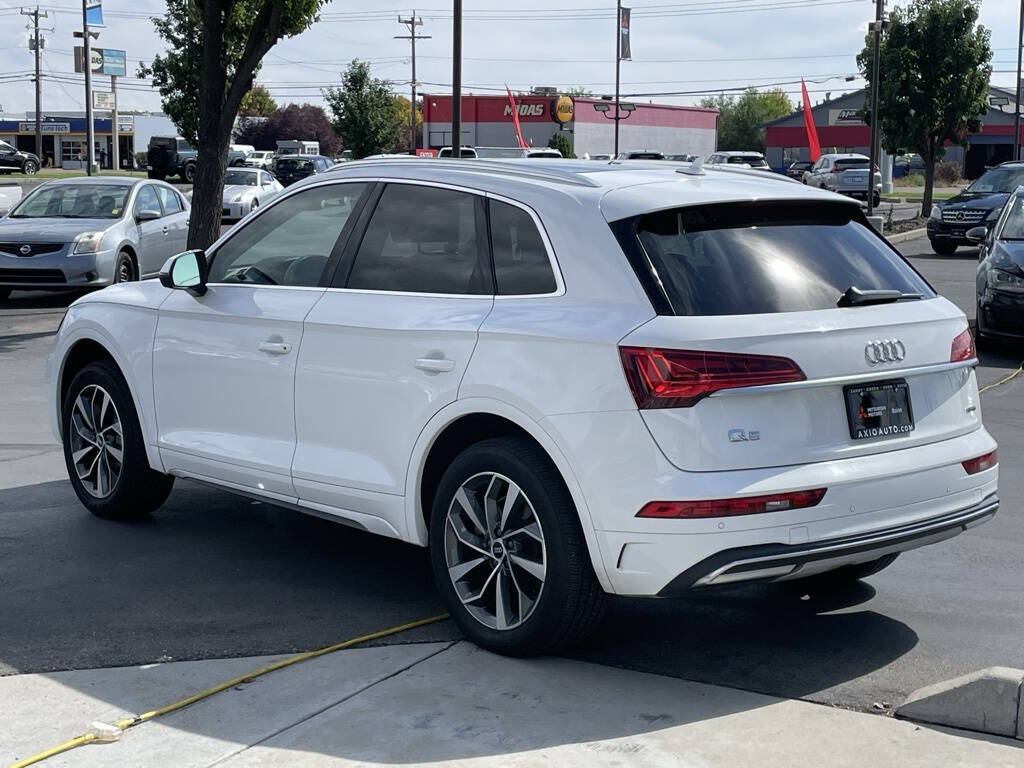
129,722
1010,377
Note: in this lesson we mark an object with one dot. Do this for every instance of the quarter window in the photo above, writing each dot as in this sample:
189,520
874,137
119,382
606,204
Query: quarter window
424,240
291,242
521,263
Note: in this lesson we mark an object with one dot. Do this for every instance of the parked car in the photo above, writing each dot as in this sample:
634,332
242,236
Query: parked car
508,153
641,154
599,156
261,158
246,189
627,418
465,152
291,168
904,165
1000,277
846,174
10,194
685,158
13,160
798,169
979,204
750,159
173,156
90,232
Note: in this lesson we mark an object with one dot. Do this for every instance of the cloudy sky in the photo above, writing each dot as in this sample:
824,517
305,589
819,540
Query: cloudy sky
688,46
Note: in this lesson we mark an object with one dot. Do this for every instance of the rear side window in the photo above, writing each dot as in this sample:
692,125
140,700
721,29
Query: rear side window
521,263
423,240
759,258
169,199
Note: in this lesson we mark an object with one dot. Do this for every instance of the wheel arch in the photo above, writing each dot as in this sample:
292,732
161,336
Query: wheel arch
463,423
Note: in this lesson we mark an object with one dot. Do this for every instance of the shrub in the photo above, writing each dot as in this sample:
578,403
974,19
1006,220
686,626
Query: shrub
947,173
561,143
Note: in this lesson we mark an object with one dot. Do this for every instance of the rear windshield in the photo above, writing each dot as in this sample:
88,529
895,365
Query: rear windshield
752,160
287,163
845,165
759,258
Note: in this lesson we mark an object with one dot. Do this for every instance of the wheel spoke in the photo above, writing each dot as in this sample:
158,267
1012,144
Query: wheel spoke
525,603
511,497
77,421
491,503
533,568
104,404
83,475
114,452
501,607
460,570
483,589
82,408
466,542
116,426
472,510
78,455
532,530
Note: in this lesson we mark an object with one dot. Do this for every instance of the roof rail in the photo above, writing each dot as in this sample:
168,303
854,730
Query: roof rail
752,172
535,171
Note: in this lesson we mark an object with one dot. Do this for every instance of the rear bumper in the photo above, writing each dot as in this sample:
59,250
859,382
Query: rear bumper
777,562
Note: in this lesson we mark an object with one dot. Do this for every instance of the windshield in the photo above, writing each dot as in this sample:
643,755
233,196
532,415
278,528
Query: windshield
998,180
73,201
759,258
240,178
7,147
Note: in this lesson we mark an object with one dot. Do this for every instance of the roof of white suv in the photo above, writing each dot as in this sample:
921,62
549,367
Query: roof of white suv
621,189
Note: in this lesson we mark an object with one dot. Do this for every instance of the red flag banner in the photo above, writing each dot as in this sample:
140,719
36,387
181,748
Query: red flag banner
812,131
515,118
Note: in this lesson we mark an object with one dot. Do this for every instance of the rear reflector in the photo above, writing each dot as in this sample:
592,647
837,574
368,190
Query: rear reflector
980,464
678,378
963,348
749,505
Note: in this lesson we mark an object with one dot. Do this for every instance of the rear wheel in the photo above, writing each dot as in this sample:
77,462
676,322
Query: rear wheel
841,578
103,446
508,552
943,249
30,167
188,173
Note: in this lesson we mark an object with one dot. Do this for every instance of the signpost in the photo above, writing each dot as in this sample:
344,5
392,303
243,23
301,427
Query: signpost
114,64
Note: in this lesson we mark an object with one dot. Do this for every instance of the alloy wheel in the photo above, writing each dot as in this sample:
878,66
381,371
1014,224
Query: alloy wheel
495,551
97,441
124,271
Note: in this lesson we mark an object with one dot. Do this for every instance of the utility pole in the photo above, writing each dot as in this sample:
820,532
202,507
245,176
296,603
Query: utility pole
1016,110
90,137
115,158
412,22
876,56
618,60
456,79
36,45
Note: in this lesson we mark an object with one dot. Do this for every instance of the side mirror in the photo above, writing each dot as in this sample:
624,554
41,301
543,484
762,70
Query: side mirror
976,234
186,271
147,214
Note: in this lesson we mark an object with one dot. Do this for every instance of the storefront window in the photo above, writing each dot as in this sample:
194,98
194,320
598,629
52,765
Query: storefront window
71,149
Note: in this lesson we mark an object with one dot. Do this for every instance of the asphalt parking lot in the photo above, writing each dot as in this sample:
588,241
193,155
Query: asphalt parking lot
214,575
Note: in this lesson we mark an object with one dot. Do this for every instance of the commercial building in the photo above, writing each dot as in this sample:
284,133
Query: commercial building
487,122
841,129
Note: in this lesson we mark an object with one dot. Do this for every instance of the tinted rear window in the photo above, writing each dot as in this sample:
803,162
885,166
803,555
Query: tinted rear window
845,165
752,160
759,258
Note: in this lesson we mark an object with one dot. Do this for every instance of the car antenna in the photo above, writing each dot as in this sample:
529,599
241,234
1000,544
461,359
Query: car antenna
696,168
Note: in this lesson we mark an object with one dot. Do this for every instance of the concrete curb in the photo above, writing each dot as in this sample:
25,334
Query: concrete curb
910,234
989,701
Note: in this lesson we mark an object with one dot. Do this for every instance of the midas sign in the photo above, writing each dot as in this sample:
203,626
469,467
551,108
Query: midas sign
525,110
562,110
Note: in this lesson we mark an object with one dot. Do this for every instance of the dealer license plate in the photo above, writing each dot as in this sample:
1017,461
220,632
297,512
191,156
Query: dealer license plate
878,410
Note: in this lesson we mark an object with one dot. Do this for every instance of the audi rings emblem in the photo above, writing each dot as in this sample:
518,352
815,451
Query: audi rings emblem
884,351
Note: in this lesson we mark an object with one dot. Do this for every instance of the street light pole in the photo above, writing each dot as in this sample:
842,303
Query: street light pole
618,59
87,66
457,79
875,87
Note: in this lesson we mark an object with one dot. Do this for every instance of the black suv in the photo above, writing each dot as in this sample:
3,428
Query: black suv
14,160
291,168
173,156
978,205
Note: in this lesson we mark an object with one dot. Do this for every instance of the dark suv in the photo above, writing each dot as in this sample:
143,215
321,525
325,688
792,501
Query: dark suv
978,205
291,168
173,156
15,161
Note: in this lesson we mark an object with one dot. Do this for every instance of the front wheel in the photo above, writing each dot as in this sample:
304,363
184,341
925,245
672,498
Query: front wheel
254,205
508,553
5,293
104,449
30,167
124,269
943,249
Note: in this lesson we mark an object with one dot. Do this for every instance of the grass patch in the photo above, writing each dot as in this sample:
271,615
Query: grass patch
46,174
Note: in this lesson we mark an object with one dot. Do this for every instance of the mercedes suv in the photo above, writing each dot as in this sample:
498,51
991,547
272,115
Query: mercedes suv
566,379
978,205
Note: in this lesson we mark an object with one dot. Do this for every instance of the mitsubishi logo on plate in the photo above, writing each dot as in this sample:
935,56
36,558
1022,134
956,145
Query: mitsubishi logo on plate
884,351
25,250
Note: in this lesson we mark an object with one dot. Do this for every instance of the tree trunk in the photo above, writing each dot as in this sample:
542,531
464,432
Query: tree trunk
929,179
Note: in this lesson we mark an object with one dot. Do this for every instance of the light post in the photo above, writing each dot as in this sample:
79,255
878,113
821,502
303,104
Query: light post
623,109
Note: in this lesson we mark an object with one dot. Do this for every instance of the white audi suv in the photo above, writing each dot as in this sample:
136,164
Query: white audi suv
566,379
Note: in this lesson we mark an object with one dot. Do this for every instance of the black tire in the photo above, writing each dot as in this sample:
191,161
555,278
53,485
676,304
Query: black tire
571,602
841,578
254,205
30,167
5,293
188,173
943,249
124,269
137,490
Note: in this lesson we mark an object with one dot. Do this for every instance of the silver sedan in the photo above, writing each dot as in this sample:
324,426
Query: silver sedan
246,189
90,232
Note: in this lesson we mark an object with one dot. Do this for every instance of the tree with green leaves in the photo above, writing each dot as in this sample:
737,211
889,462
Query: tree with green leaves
741,118
307,123
366,113
935,65
214,51
561,142
404,139
257,103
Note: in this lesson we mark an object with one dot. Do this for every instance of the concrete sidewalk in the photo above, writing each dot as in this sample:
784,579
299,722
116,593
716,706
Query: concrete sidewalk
444,703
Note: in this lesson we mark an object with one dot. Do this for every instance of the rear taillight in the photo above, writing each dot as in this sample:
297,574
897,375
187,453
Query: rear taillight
749,505
677,378
963,348
980,464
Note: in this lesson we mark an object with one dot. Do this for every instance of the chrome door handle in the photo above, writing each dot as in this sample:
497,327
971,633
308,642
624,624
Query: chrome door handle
275,347
165,230
435,364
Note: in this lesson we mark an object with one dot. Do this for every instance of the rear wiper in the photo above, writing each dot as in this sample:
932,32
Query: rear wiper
855,297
